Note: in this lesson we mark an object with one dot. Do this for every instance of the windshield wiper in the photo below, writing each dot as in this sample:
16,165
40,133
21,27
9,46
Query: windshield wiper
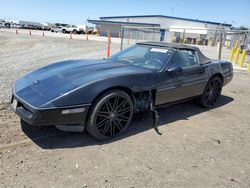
124,59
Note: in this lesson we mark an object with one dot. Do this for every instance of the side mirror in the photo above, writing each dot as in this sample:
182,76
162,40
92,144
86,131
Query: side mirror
175,69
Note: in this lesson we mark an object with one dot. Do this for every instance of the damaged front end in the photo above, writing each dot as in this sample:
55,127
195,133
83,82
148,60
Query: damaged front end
145,101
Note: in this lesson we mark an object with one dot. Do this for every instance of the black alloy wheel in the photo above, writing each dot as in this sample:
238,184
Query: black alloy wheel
212,92
111,115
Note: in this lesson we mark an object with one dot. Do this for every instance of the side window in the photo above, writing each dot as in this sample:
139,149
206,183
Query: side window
185,58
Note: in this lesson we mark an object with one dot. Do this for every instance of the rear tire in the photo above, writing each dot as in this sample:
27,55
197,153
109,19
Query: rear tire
211,92
110,115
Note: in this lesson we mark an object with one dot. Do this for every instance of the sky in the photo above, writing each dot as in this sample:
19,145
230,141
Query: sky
78,11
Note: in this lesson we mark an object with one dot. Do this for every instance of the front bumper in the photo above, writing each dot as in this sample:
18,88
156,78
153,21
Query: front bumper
50,116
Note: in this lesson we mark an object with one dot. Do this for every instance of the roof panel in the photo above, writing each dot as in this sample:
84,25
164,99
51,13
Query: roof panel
122,23
162,16
202,58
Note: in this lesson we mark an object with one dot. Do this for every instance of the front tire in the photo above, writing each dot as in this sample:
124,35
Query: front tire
211,93
110,115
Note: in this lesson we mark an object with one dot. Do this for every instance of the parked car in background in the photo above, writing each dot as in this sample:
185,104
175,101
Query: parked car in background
75,29
92,30
2,24
45,28
15,26
57,29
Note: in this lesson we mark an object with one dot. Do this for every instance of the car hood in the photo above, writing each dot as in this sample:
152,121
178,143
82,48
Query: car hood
50,82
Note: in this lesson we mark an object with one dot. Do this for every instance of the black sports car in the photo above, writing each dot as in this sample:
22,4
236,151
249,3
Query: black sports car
102,95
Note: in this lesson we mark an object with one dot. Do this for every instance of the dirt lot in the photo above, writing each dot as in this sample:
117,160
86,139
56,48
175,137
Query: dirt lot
197,148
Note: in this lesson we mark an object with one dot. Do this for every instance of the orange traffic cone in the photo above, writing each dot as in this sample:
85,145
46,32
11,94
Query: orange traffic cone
108,45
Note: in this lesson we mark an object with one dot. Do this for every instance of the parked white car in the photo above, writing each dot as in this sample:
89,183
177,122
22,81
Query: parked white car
57,29
15,26
76,29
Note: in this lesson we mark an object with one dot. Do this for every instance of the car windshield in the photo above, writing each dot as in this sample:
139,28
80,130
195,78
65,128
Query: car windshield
152,57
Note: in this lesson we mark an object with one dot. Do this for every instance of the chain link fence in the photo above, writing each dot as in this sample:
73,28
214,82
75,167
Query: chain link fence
215,44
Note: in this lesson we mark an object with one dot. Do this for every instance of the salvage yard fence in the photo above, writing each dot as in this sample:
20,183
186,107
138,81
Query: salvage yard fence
215,43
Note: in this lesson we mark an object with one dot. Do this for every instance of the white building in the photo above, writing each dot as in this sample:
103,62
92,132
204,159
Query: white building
168,28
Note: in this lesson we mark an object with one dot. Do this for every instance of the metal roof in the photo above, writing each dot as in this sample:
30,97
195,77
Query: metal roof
122,23
162,16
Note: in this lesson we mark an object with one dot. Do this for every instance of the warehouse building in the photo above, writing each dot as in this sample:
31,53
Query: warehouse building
159,27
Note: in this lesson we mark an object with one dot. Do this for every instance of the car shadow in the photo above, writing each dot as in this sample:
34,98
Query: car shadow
52,138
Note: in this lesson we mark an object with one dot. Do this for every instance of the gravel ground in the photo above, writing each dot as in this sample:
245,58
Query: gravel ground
197,148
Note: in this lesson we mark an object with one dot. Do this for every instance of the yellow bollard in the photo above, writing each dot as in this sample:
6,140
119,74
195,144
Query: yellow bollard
248,66
232,54
237,55
243,55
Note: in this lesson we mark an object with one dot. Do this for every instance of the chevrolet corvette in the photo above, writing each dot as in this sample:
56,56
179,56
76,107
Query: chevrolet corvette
101,96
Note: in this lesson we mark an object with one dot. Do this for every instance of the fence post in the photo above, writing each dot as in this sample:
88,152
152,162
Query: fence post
87,35
183,36
220,46
236,44
122,36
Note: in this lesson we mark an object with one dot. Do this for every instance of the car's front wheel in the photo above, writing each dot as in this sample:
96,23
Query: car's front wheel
110,115
211,93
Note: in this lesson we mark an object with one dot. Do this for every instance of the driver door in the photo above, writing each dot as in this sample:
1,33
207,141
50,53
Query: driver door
184,78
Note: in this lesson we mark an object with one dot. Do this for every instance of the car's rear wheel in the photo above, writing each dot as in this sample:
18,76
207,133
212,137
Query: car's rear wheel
74,31
111,115
63,31
211,93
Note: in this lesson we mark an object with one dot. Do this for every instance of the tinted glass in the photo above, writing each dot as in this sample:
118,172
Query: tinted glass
185,58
